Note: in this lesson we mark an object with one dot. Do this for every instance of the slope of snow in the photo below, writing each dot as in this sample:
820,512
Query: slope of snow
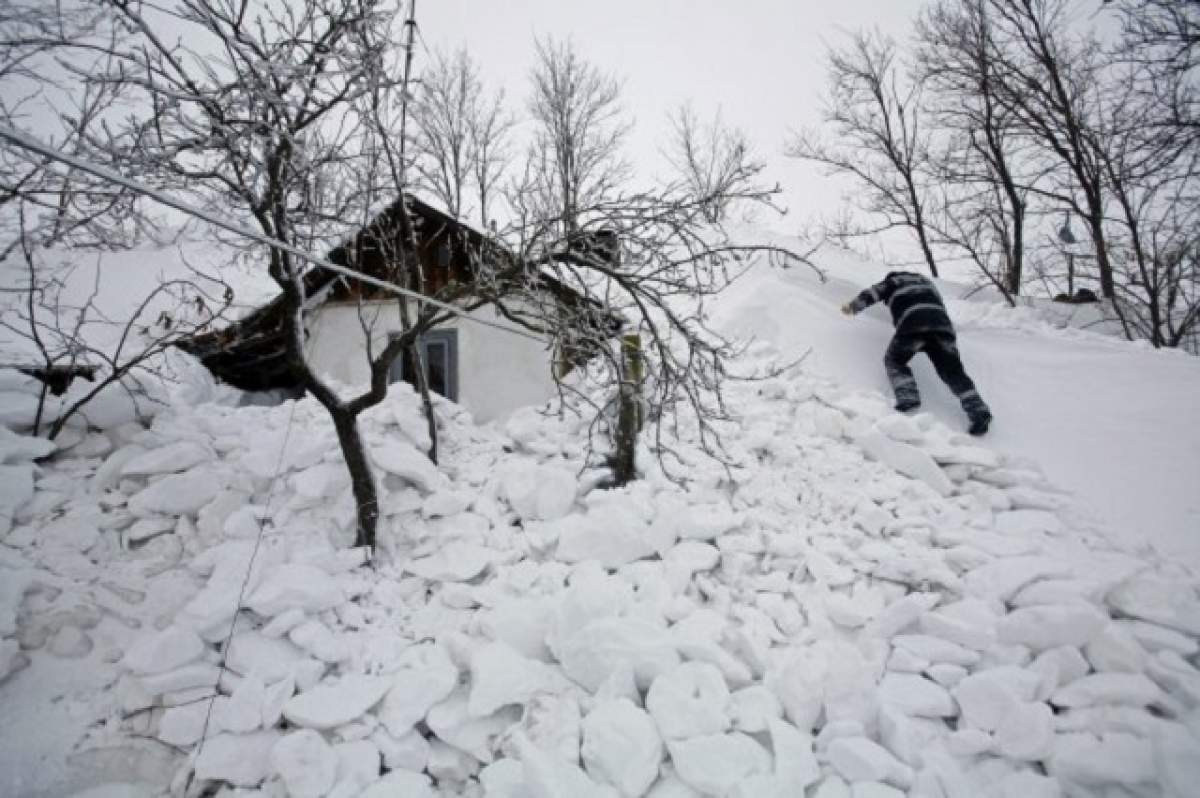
1111,421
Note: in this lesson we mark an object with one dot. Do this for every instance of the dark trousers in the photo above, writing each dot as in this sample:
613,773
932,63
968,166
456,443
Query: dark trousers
942,350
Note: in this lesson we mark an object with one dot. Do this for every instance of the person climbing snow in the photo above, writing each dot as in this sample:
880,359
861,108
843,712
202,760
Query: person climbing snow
922,325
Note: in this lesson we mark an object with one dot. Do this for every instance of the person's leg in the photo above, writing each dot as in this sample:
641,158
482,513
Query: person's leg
943,351
895,362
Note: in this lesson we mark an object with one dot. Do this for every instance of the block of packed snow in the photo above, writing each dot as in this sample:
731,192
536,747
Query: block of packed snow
453,723
1116,649
862,759
1176,760
70,532
621,746
243,760
183,726
403,460
1056,667
613,539
306,764
874,789
970,623
425,676
986,697
409,751
967,743
358,765
589,655
1152,597
271,658
950,454
18,409
242,711
795,763
16,488
1050,625
900,427
1027,784
109,473
1093,762
331,704
169,459
316,638
936,649
915,695
715,763
1028,523
177,494
501,676
906,459
1025,497
400,782
707,521
690,700
545,774
321,481
457,561
908,737
753,708
689,557
1026,732
539,492
295,586
901,614
1158,638
445,503
1125,689
1001,578
15,448
163,651
945,674
521,622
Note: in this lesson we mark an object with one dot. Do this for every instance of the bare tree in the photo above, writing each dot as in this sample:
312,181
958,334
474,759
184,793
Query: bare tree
710,158
985,166
460,134
579,130
878,137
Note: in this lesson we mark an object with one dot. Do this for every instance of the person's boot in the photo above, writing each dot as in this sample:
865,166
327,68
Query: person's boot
979,422
906,404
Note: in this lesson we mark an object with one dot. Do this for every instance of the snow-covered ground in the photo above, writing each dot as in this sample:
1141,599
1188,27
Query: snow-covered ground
869,604
1107,420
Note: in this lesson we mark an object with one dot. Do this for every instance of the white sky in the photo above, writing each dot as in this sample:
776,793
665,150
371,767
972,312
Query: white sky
760,61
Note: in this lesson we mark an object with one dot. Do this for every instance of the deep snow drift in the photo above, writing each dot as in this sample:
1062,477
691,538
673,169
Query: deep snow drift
1110,421
868,604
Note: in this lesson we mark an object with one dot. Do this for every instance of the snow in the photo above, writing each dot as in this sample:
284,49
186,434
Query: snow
865,603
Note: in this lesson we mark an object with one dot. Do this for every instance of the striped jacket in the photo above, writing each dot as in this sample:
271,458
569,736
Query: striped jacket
913,299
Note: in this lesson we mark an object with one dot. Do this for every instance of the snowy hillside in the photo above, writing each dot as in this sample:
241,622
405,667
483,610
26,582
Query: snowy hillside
870,604
1107,420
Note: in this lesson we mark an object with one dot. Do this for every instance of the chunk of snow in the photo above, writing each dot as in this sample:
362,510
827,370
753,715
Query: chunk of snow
1116,649
425,677
592,653
753,708
316,638
969,623
501,676
906,459
622,747
406,462
539,492
16,488
163,651
271,658
457,561
1001,578
715,763
169,459
902,613
400,782
986,697
305,763
1026,732
240,759
177,494
1050,625
1131,689
935,649
332,704
295,586
613,539
453,723
16,448
690,700
916,695
861,759
1089,761
1167,602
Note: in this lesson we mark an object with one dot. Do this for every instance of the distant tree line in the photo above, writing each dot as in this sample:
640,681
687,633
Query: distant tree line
1015,136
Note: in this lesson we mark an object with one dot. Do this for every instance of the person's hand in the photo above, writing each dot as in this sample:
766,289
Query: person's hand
847,310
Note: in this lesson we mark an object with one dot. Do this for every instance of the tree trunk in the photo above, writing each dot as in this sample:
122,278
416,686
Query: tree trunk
422,378
366,495
629,411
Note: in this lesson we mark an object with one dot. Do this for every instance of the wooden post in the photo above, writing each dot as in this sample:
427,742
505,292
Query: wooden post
629,409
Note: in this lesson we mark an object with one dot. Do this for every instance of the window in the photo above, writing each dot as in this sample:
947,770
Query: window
439,350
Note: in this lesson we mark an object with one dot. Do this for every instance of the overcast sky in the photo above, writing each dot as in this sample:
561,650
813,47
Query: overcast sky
760,61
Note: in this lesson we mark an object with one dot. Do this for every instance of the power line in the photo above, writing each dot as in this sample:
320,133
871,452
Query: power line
14,136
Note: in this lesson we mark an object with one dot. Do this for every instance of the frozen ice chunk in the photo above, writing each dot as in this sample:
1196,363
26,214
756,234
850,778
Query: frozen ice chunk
916,695
177,494
243,760
861,759
500,676
295,586
690,700
163,651
306,763
592,653
457,561
332,704
425,677
986,697
715,763
1050,625
169,459
906,459
1126,689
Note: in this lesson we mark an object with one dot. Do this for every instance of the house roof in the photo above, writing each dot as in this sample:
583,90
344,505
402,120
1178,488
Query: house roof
251,353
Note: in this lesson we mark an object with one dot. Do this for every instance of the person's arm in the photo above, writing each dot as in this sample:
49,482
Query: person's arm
868,297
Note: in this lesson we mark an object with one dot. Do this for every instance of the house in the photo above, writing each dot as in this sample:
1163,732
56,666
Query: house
487,370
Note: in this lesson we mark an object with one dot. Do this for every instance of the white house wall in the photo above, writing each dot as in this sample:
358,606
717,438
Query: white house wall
497,371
